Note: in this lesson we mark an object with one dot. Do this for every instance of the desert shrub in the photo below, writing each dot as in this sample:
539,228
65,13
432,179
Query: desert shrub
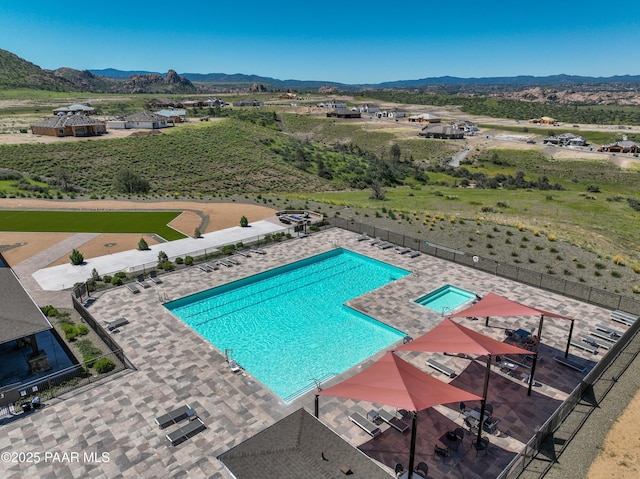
107,278
228,249
244,222
143,245
179,260
617,259
188,260
104,365
580,266
162,257
636,268
551,237
76,257
49,311
94,275
197,233
616,274
553,250
538,247
599,266
116,281
635,289
166,266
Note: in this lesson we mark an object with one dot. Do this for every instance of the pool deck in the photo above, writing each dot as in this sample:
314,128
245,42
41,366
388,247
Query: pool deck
175,366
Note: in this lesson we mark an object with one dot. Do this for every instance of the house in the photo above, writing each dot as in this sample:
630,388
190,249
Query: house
173,115
70,124
369,108
192,103
343,113
141,119
22,323
465,125
545,120
288,96
623,146
333,104
447,132
215,103
565,139
425,118
247,102
87,110
391,114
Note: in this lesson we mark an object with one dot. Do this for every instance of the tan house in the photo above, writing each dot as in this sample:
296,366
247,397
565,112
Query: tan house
70,124
544,120
425,118
624,146
446,132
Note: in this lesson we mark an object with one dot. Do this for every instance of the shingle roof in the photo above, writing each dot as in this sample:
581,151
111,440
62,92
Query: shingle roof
75,119
145,116
298,447
19,315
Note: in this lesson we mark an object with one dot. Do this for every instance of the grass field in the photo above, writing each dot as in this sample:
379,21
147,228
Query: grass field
90,222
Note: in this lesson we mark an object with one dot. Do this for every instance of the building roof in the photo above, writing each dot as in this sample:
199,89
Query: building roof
19,314
144,116
74,108
70,119
298,447
172,112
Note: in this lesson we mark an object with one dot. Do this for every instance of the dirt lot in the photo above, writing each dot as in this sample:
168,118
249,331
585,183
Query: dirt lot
206,216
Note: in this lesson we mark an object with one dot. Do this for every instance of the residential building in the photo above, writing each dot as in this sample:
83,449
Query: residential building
69,124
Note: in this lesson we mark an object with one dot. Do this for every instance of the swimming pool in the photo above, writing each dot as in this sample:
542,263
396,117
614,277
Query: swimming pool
446,299
288,326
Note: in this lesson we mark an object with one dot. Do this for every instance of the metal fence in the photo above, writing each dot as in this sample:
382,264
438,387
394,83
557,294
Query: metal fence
544,281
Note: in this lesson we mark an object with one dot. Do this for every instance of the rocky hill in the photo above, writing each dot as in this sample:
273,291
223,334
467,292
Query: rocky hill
18,73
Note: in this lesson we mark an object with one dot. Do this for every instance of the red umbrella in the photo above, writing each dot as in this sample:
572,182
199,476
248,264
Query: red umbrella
495,305
396,382
451,337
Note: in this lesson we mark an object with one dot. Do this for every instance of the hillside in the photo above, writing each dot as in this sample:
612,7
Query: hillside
18,73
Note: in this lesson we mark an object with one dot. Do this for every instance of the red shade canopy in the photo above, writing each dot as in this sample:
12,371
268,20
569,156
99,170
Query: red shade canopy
450,337
395,382
495,305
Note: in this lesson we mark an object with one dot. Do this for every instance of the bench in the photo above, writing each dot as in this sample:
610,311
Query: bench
584,347
595,343
623,317
366,425
599,333
441,367
176,416
571,364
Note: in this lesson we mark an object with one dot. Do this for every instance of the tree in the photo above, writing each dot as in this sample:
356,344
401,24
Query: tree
128,182
197,233
244,222
378,191
76,257
162,257
395,153
142,245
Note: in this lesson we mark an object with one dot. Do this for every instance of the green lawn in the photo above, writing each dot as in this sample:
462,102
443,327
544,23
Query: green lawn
91,222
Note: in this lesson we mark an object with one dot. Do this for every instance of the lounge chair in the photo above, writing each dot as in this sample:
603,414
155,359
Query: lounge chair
205,267
224,262
413,254
185,432
365,424
153,276
113,325
363,237
213,265
392,420
258,251
385,245
176,416
374,242
402,250
244,253
140,280
132,287
233,261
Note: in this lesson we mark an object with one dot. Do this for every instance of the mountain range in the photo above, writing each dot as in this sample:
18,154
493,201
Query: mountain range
16,72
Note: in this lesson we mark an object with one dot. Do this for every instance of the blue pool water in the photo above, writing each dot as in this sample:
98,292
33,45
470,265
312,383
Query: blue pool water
446,299
288,326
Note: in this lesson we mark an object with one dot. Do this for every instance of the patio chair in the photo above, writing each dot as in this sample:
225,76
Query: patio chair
471,423
488,409
490,425
153,276
392,420
459,432
422,469
399,469
140,280
176,416
462,407
481,445
441,452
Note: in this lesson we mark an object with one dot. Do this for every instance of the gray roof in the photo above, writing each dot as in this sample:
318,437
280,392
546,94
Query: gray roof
145,116
293,448
19,315
75,119
623,144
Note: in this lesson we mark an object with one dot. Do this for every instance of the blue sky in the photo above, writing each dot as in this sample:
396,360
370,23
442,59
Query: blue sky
350,41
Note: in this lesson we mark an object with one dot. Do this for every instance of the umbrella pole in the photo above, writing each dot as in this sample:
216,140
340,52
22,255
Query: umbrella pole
535,355
316,409
412,448
483,403
566,351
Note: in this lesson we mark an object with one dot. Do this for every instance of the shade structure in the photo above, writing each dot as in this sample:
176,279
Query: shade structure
451,337
495,305
395,382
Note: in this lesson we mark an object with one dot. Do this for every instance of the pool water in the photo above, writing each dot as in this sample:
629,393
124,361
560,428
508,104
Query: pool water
446,299
288,327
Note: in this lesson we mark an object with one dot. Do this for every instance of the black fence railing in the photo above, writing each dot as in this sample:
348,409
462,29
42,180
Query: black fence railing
571,289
